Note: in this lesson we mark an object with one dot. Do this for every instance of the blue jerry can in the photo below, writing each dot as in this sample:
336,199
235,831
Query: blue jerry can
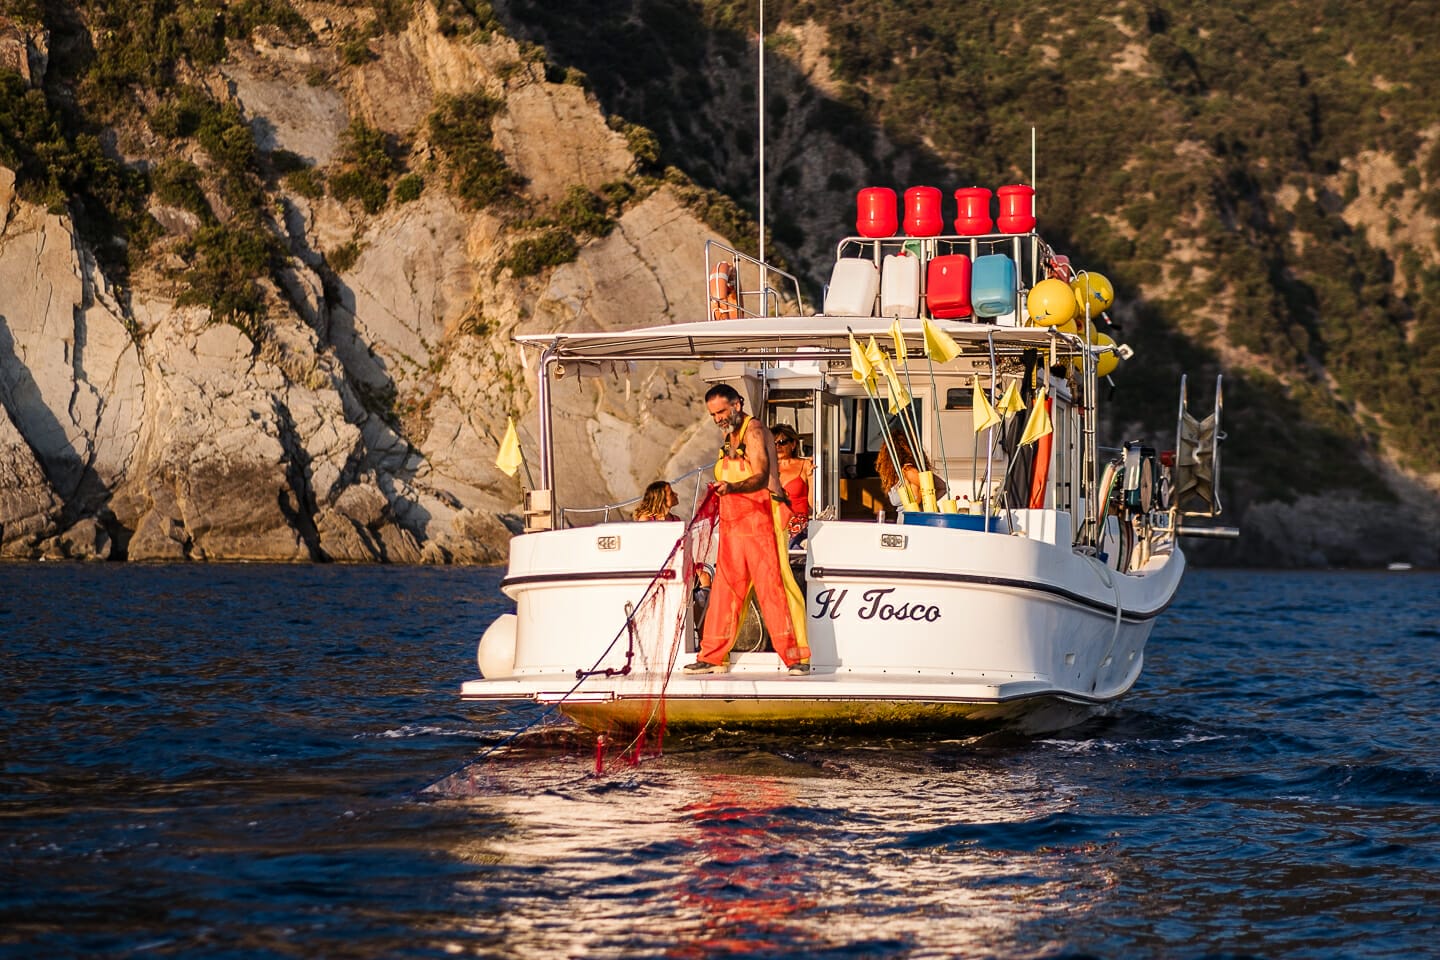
992,285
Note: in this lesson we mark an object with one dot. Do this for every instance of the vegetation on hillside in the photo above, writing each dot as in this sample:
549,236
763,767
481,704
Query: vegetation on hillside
117,68
1226,166
1204,156
460,129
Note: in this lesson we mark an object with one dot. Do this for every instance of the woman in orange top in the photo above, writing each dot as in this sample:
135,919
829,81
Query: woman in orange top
795,473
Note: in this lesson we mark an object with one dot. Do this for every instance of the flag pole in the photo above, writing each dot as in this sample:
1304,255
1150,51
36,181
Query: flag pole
902,411
867,380
938,341
939,434
525,462
902,357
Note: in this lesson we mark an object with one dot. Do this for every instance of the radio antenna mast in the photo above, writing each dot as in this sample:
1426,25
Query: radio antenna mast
761,105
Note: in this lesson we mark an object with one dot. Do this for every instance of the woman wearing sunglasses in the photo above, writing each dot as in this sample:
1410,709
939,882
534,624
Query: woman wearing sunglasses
795,473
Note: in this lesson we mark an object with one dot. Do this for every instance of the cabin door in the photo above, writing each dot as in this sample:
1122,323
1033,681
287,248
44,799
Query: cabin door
826,492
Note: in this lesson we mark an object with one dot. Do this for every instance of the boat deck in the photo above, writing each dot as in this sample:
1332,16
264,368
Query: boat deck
770,684
825,702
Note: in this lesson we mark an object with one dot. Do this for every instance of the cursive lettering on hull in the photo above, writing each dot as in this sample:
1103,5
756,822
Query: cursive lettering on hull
874,604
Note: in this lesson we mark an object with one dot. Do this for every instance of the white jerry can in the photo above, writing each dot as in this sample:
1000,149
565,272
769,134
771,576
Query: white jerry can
853,286
900,286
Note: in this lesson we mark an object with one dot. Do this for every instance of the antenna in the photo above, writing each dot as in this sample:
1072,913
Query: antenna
761,111
1032,174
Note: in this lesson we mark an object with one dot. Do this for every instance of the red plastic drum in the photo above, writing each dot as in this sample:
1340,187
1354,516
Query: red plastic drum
974,213
922,212
875,212
1017,208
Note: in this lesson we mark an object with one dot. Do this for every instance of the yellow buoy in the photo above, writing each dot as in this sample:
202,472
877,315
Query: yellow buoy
1093,290
1051,303
1105,363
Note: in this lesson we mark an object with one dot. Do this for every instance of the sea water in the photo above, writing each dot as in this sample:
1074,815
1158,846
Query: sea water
272,761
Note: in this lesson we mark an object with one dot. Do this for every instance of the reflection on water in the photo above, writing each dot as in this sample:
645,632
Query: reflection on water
233,762
851,852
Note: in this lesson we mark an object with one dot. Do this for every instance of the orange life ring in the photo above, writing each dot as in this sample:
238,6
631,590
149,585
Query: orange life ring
724,304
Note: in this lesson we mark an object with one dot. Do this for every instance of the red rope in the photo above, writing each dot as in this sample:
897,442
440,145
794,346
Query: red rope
707,512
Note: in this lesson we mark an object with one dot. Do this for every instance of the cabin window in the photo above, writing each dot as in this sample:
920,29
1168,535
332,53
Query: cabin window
874,432
796,409
847,424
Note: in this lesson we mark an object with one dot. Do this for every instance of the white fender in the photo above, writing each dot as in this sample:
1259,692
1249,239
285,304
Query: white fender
496,652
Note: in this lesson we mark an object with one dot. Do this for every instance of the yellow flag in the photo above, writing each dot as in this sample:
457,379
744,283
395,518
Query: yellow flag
860,367
1039,423
939,345
874,354
1010,401
899,396
899,339
509,458
985,415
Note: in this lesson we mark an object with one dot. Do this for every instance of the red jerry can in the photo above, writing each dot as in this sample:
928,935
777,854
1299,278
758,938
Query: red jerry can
947,286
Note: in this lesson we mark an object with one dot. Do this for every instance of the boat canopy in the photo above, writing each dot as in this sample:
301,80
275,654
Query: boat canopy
784,338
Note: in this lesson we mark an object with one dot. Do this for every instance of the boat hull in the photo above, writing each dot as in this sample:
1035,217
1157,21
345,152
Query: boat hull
875,713
909,627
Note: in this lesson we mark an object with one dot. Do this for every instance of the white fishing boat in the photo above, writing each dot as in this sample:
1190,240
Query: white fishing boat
1023,597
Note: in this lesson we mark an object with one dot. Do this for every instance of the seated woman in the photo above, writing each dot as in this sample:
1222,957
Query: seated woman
890,480
656,503
795,473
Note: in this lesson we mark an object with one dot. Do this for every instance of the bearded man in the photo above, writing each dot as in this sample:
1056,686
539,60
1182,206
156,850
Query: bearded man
754,544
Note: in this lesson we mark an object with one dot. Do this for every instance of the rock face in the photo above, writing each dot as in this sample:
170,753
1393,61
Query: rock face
361,422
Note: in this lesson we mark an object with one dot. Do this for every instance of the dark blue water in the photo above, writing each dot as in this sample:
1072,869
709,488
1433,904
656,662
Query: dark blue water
256,761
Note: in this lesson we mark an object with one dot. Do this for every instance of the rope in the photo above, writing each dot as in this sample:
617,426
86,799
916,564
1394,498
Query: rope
702,513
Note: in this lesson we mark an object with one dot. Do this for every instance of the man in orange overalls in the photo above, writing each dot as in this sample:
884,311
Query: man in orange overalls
753,543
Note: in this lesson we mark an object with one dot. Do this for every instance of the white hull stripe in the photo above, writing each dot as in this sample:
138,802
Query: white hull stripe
592,575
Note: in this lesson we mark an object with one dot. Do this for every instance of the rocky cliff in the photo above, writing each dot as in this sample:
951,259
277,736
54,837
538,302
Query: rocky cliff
352,411
360,422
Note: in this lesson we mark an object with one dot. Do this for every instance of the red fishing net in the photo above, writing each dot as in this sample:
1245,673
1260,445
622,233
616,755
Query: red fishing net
665,622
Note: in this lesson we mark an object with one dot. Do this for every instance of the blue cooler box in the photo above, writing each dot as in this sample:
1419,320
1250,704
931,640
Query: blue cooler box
955,521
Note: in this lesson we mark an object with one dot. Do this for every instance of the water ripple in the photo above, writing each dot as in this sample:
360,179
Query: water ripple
255,761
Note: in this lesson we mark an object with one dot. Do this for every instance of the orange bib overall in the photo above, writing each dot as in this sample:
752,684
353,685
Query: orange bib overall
754,554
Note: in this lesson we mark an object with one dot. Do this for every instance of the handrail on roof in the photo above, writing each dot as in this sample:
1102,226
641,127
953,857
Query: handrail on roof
772,287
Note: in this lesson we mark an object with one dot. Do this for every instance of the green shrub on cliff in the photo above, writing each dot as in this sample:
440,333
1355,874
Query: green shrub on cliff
459,128
368,161
144,43
409,187
226,261
64,168
177,182
475,17
535,254
583,212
